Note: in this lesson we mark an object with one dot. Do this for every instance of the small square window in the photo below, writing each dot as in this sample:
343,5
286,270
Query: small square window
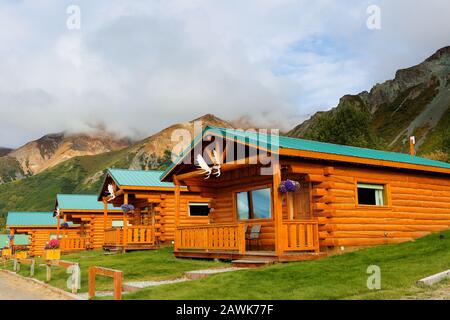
198,209
371,194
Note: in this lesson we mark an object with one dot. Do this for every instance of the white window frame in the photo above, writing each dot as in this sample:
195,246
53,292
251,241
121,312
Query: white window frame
195,203
380,193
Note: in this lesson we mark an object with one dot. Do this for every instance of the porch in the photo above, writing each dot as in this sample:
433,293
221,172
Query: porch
299,241
74,243
131,238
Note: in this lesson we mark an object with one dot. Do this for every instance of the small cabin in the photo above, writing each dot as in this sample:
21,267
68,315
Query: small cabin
283,199
151,221
40,227
87,212
20,241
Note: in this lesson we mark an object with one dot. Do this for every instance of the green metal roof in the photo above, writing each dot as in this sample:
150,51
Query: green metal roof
81,202
31,219
138,178
271,141
19,239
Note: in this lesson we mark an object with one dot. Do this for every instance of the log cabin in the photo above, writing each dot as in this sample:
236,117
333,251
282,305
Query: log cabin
310,199
152,222
87,212
41,227
19,241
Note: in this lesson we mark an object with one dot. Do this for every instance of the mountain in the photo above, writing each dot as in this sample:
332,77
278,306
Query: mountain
50,150
4,151
147,152
83,174
416,102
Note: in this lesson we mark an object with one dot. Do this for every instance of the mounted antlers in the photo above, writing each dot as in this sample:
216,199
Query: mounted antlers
215,169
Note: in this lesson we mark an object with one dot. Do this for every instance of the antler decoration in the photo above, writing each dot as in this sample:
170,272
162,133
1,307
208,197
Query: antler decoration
111,192
215,169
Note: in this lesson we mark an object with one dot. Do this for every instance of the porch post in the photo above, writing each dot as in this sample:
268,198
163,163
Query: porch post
58,225
177,210
105,218
11,241
125,220
278,210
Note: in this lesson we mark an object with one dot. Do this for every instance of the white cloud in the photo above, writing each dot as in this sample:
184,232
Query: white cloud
137,66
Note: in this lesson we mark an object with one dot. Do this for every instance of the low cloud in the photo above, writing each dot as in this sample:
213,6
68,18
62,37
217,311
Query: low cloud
135,67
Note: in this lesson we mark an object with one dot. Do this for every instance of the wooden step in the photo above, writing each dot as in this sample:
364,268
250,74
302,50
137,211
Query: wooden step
254,263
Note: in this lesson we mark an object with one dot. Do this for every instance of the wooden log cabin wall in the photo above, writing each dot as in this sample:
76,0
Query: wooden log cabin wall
154,204
87,212
357,197
41,227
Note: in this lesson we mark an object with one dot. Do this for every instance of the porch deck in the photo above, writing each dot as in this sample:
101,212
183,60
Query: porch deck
131,238
74,244
228,242
270,256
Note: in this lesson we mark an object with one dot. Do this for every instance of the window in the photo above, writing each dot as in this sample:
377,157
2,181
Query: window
119,223
254,204
371,194
198,209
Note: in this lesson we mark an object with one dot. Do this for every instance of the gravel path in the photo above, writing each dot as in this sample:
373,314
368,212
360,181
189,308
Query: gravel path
14,288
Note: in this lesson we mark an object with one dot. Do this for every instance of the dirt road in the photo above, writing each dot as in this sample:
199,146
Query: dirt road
14,288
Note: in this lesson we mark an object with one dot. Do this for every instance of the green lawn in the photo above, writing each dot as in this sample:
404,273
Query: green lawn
139,265
338,277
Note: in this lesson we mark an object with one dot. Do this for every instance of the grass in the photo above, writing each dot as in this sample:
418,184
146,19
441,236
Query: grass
139,265
337,277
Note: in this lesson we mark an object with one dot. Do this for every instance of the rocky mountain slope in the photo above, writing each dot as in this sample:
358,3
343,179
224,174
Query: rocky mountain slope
4,151
416,102
83,174
50,150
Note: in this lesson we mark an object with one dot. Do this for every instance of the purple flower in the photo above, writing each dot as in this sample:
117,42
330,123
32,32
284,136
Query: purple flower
64,225
11,237
289,186
127,208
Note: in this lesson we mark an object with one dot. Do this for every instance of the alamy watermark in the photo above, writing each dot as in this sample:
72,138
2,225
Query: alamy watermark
374,280
373,21
73,21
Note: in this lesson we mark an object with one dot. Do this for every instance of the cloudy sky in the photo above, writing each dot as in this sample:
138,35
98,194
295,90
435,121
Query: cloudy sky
138,66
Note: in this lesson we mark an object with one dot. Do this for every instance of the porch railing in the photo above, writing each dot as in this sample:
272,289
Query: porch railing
73,243
211,237
301,235
132,235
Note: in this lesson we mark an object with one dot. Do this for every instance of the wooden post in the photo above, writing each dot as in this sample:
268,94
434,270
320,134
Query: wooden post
58,225
48,275
412,143
125,221
177,210
278,210
241,237
118,285
105,218
91,282
11,241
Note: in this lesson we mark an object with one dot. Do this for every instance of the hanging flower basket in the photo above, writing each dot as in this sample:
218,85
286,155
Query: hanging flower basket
11,237
126,208
289,186
64,225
